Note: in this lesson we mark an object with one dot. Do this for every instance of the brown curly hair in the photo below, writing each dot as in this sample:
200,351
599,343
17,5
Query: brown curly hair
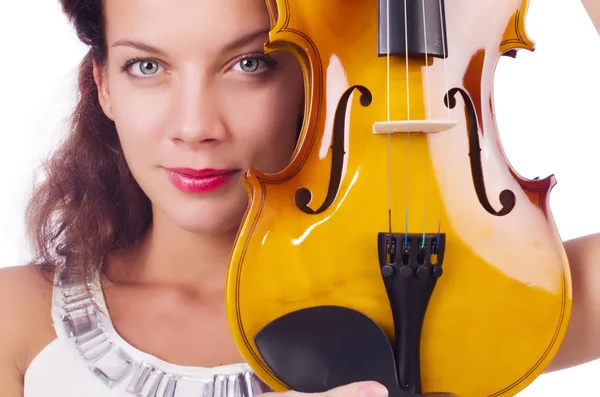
89,204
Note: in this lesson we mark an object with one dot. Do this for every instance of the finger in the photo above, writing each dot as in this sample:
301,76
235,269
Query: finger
359,389
356,389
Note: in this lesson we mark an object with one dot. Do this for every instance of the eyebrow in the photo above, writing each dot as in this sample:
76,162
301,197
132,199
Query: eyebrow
245,39
138,45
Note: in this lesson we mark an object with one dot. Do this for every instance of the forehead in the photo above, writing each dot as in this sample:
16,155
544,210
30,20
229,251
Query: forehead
202,24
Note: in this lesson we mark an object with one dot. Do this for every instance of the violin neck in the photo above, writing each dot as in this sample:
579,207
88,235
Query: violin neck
420,24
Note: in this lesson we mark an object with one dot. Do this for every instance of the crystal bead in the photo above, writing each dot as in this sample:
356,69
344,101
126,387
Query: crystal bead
112,367
235,385
187,386
220,387
166,388
142,372
97,352
151,385
80,322
256,385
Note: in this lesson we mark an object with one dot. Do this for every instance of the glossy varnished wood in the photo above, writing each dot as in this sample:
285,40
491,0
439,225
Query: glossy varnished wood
499,313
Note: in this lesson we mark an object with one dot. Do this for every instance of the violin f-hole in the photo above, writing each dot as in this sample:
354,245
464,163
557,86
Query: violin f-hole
507,198
303,195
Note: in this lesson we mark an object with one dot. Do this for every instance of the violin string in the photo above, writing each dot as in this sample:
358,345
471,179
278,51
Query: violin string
389,119
406,50
428,115
426,60
444,63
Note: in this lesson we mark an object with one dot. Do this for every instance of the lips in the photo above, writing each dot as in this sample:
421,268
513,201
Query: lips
207,172
190,180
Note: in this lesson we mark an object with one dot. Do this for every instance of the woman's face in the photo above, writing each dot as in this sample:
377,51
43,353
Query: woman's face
196,103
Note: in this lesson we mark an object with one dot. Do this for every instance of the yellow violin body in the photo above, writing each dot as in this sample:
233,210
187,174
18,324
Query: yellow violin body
309,238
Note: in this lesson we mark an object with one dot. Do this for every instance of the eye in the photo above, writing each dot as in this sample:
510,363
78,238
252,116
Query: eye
249,65
254,64
148,67
142,67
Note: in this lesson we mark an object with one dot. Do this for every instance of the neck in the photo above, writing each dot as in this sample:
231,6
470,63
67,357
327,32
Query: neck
167,255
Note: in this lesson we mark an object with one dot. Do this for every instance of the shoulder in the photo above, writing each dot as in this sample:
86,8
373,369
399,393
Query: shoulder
593,9
581,343
25,314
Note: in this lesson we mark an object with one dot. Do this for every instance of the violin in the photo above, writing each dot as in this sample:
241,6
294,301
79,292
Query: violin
399,245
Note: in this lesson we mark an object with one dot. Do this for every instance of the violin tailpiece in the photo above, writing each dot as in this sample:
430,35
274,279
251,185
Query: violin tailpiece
410,265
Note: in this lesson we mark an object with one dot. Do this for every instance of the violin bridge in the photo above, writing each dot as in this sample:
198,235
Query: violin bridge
424,126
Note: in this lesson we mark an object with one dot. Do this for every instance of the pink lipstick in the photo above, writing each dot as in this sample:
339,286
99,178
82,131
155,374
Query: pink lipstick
199,181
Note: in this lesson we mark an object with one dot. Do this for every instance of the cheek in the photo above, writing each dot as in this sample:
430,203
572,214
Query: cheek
272,139
273,135
138,117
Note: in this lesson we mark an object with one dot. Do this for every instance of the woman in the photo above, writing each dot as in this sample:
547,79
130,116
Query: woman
171,111
123,183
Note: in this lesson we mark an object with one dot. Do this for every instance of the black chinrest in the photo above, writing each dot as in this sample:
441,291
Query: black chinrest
318,348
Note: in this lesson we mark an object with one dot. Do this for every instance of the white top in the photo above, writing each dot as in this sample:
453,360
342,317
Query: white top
89,358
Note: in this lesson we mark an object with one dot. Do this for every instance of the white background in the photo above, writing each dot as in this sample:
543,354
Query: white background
547,105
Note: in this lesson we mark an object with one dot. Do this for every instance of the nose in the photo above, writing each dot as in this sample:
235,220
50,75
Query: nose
195,109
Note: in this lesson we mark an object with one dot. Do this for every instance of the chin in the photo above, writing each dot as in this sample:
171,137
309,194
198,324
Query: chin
216,227
216,217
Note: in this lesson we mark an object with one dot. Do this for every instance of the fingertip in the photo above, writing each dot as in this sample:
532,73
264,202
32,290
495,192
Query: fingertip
372,389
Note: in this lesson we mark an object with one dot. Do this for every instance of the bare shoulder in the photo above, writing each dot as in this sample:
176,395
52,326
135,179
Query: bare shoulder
593,9
25,315
581,343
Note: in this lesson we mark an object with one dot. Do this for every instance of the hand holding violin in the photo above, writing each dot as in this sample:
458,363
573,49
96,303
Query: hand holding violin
356,389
